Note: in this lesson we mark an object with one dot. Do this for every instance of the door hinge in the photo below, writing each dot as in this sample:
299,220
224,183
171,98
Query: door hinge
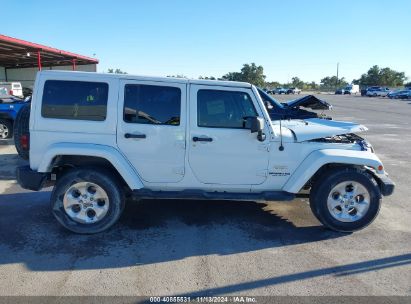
178,170
181,144
264,147
262,173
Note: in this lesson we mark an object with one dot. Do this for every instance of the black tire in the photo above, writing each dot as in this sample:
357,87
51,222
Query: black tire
21,127
102,178
324,185
7,127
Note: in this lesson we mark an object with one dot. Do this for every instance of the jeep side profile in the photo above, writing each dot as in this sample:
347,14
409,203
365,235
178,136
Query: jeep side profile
102,138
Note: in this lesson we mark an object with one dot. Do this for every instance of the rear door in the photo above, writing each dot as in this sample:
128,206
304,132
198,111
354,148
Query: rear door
151,128
221,151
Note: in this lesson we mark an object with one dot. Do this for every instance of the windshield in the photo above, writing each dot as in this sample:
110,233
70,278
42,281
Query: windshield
269,102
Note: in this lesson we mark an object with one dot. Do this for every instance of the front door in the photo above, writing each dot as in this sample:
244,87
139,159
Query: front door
151,128
221,151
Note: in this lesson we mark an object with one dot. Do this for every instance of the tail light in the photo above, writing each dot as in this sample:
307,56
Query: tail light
11,92
24,141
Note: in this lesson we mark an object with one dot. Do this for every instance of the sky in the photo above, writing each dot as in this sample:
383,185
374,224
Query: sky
213,37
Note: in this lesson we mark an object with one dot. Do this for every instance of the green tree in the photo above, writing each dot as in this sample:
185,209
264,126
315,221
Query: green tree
116,71
207,78
249,73
381,76
233,76
272,84
331,83
297,82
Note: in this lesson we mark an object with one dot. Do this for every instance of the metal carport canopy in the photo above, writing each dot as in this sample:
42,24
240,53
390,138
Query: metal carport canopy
17,53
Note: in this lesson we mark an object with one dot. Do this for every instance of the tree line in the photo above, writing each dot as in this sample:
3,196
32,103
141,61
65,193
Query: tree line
254,74
373,77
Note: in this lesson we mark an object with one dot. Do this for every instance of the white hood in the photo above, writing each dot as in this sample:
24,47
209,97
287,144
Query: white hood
314,128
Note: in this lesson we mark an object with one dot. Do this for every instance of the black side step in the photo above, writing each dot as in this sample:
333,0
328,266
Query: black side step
200,194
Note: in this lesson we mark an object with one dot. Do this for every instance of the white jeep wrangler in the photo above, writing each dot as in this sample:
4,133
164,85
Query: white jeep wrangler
102,138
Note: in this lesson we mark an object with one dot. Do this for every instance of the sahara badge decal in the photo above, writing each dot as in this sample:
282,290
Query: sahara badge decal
279,171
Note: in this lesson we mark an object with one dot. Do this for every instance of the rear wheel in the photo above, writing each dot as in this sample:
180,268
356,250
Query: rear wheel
22,133
6,129
345,200
87,201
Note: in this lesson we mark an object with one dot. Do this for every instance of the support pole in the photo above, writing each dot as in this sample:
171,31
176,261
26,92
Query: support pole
39,60
74,64
338,66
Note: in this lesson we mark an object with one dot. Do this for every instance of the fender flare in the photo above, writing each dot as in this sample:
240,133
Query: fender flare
124,168
315,160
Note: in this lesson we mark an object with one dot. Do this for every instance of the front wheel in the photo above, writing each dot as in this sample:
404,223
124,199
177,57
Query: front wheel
345,200
87,201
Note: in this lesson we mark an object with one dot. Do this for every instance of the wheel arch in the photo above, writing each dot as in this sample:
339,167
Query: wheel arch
321,160
67,155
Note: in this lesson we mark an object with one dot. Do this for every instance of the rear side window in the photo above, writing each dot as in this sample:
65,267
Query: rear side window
16,86
150,104
223,109
77,100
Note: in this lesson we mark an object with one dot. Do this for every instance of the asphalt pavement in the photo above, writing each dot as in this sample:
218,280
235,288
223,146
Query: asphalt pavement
215,248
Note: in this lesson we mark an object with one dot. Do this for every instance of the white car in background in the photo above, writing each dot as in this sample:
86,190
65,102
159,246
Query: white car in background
11,88
293,91
352,89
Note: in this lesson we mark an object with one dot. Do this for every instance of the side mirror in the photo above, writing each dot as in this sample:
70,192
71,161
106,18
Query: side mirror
254,123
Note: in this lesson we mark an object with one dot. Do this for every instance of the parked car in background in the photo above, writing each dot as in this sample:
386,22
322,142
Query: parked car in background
352,89
400,94
293,91
280,90
11,88
379,91
340,92
9,108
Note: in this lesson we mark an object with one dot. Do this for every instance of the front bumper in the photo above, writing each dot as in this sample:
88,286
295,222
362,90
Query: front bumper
31,180
386,184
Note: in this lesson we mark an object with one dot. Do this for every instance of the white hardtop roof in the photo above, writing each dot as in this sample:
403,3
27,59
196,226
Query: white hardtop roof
147,78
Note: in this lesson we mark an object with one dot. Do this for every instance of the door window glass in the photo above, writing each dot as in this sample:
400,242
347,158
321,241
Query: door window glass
223,109
150,104
76,100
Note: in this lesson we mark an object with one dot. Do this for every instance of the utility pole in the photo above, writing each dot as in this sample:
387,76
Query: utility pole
338,65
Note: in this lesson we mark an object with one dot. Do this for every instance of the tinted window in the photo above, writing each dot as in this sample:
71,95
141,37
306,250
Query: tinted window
223,109
78,100
148,104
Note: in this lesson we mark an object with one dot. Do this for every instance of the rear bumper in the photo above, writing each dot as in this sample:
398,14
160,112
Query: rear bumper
386,184
31,180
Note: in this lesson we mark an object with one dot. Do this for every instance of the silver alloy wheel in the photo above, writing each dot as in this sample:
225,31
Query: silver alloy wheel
348,201
86,203
4,131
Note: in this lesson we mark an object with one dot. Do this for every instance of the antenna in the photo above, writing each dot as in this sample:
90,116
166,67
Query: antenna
281,148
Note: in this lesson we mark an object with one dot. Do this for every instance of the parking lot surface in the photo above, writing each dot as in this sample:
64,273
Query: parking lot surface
175,247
